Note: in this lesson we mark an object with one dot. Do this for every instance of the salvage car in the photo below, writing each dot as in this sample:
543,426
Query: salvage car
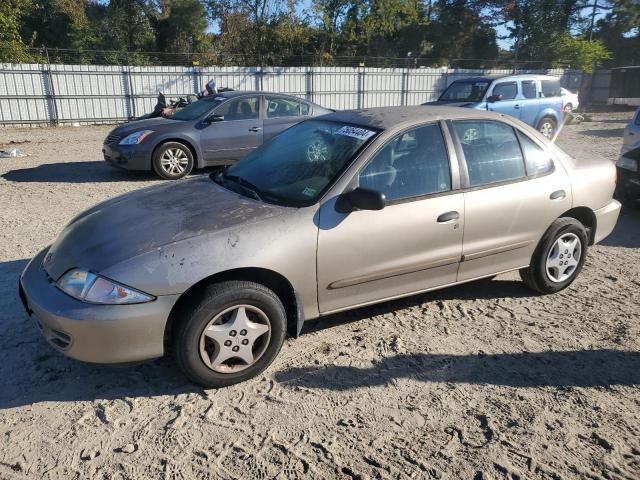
534,99
218,129
337,212
628,163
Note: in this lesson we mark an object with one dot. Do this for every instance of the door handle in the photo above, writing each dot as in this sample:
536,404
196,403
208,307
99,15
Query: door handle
516,106
255,129
558,194
447,217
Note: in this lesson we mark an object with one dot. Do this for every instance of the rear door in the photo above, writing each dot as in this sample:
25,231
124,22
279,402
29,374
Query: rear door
509,104
513,192
529,104
239,132
282,112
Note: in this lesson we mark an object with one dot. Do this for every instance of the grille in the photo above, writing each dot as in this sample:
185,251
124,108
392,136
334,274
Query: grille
111,139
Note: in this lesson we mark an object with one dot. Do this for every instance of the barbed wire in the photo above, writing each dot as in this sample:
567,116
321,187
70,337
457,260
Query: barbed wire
205,59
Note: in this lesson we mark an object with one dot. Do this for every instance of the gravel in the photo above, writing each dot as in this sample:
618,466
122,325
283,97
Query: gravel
485,380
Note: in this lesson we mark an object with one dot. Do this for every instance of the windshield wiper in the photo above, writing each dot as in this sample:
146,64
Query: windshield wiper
246,185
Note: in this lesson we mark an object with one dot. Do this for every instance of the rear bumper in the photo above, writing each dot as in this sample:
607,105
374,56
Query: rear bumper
93,333
129,157
606,218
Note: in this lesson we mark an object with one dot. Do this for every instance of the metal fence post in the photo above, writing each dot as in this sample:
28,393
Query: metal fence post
404,88
51,94
196,79
309,84
131,96
361,92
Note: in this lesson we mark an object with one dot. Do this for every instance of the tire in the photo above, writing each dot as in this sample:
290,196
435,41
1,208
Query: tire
198,355
538,276
548,125
172,160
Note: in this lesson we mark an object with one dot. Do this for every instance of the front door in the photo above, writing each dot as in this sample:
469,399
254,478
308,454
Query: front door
515,191
413,244
508,103
237,133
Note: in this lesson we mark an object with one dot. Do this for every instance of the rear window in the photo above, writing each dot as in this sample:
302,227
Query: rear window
529,88
550,88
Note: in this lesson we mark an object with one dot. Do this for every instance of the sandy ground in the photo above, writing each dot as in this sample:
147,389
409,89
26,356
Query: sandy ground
482,381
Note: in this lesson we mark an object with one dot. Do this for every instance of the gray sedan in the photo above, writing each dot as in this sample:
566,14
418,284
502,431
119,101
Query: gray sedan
337,212
216,130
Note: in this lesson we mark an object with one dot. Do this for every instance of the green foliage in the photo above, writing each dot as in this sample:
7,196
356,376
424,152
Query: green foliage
580,53
12,48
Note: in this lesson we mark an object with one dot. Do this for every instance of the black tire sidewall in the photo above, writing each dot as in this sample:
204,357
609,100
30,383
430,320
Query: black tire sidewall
160,151
213,301
561,227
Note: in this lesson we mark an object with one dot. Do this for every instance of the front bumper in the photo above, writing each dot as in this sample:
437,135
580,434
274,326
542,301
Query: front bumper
606,218
93,333
628,183
129,157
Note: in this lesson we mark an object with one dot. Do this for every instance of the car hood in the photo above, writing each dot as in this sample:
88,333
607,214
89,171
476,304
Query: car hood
159,123
150,218
452,103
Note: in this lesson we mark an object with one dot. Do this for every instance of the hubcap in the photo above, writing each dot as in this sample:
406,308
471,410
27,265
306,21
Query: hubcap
235,339
547,129
563,258
174,161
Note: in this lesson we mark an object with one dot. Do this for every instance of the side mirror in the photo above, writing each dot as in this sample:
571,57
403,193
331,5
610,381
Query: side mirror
361,199
494,98
215,118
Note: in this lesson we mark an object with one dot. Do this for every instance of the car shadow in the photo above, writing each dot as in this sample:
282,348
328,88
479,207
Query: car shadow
83,172
582,368
604,133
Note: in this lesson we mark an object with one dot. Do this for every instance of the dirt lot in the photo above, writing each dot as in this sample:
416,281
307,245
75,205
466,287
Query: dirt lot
482,381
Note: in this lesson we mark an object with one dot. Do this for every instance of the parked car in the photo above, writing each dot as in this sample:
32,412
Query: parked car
628,164
218,129
570,100
534,99
340,211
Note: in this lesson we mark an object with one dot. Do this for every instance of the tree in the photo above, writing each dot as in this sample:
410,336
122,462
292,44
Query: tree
580,53
180,26
12,48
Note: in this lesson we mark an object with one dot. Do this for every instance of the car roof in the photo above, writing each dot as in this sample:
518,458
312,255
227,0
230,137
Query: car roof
520,76
390,118
236,93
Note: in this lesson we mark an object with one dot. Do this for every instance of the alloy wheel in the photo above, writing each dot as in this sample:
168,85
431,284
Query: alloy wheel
546,129
174,161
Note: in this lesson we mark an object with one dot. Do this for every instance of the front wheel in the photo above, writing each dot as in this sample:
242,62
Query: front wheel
547,127
231,332
172,160
559,257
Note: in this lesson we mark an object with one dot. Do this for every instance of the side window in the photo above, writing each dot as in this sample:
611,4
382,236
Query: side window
528,88
277,107
412,164
638,117
508,90
550,88
537,161
491,151
304,108
245,108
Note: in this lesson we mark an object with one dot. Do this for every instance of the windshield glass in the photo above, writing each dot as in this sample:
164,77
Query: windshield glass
196,109
297,166
465,91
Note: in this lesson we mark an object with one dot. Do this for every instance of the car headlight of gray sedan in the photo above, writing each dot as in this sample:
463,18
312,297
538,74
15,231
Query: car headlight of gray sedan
89,287
135,138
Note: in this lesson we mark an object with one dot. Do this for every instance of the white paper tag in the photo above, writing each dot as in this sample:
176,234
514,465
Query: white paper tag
355,132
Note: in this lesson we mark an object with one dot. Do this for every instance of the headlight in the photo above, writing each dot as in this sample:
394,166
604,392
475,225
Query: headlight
136,138
627,163
92,288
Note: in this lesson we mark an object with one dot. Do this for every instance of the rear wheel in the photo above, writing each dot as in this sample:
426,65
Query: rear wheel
559,257
547,127
172,160
231,332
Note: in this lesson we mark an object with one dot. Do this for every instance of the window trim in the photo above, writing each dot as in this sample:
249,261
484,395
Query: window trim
465,185
451,157
520,133
300,101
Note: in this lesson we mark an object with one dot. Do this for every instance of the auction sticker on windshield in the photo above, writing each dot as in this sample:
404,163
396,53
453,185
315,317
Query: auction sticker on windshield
355,132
